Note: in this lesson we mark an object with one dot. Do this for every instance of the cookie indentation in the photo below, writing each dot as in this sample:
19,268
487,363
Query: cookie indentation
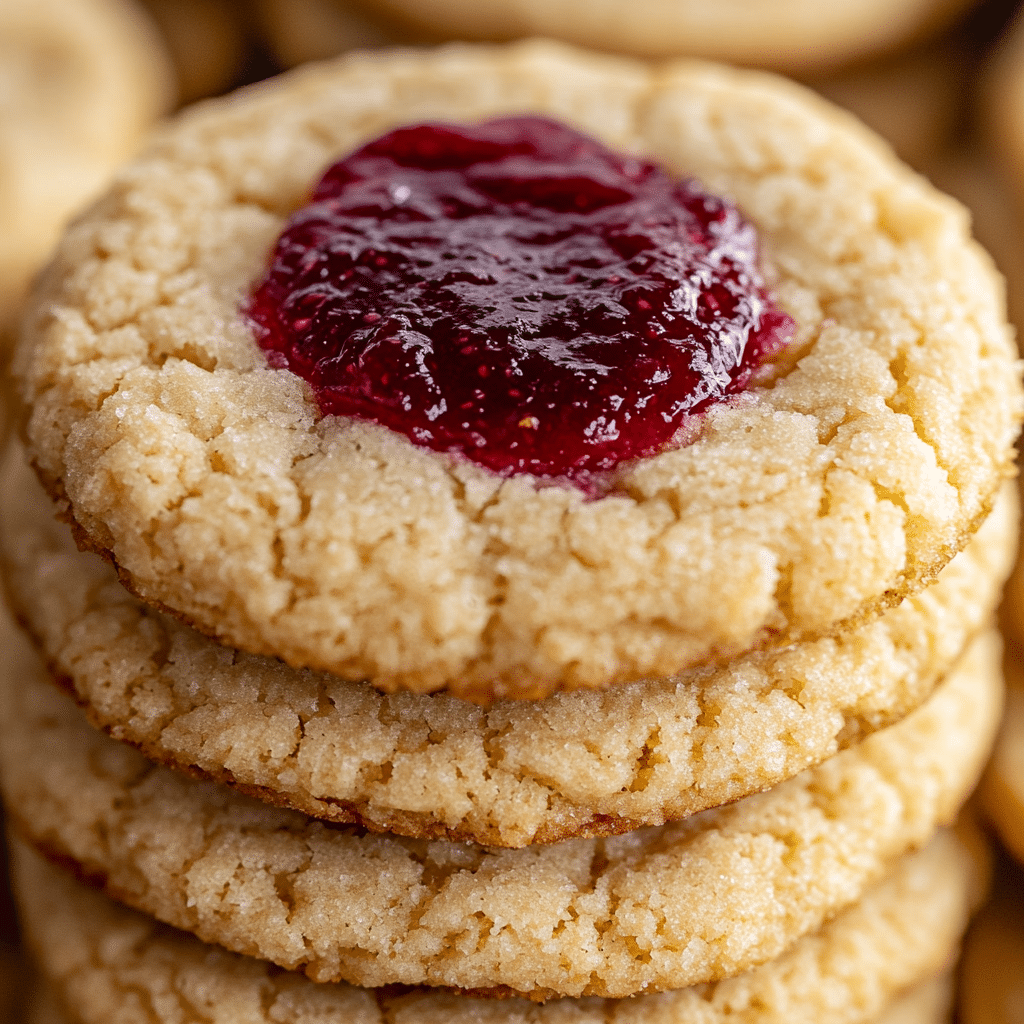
519,293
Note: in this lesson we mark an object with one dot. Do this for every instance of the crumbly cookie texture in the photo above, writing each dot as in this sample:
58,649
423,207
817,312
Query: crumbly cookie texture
336,544
432,766
659,908
119,967
1002,788
927,1003
788,35
80,80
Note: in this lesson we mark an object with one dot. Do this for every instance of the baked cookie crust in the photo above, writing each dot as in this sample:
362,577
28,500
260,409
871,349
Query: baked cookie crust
212,482
114,965
433,766
656,909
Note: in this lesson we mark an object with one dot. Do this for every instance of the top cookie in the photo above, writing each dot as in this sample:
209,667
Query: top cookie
221,494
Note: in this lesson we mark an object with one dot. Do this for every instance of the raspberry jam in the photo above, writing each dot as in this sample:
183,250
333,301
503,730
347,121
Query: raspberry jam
516,292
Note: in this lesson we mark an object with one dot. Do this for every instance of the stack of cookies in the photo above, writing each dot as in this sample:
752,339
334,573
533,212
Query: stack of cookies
391,737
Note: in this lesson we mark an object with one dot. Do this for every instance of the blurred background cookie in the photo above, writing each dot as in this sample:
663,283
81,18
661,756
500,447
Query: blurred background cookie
927,1003
206,40
794,36
915,100
301,30
1002,788
80,81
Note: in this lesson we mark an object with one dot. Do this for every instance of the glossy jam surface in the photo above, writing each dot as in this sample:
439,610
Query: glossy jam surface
516,292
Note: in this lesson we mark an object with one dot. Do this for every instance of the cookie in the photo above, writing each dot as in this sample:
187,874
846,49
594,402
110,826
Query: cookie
110,963
210,479
913,100
298,31
80,80
792,36
1002,788
927,1003
206,41
657,908
431,766
973,178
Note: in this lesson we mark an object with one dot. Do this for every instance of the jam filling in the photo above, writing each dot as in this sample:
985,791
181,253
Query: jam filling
518,293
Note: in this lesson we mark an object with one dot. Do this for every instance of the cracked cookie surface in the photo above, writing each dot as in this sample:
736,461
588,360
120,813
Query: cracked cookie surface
658,908
431,766
119,967
212,482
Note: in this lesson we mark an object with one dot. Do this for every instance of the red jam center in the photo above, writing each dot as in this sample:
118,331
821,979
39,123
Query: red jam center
516,292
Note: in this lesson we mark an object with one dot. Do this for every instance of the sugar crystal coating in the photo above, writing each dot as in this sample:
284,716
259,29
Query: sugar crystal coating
519,293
